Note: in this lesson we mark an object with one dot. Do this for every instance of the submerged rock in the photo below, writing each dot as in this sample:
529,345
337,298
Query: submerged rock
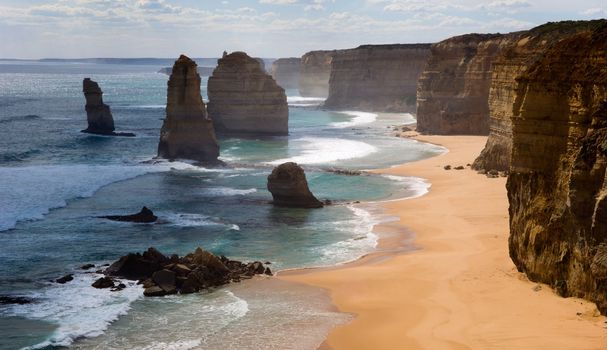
244,99
187,131
144,216
289,187
65,279
194,272
98,115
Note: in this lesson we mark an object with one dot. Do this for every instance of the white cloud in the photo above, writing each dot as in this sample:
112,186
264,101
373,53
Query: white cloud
278,2
595,11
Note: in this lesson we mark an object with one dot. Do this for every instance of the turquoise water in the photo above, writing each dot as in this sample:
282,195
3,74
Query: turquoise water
56,180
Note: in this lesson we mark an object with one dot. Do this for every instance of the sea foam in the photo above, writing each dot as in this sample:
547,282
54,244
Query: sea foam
359,118
316,150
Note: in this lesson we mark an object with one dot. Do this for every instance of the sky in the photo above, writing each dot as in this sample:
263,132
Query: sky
262,28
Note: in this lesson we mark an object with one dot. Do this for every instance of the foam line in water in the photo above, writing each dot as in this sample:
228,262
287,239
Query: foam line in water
316,150
299,101
198,220
359,118
416,185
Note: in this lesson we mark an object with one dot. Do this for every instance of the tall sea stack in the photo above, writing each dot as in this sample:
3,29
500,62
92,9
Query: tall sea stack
379,78
315,73
244,99
98,115
286,72
557,186
187,131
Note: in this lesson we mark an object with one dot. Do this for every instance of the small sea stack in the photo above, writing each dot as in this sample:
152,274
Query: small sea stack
244,99
289,187
187,131
144,216
98,114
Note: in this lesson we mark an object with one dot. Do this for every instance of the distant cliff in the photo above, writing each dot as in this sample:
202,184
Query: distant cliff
315,73
514,59
557,187
453,90
286,72
379,78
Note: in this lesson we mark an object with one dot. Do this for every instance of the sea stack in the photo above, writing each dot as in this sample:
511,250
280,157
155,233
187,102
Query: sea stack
187,131
244,99
315,73
378,78
98,114
289,187
286,72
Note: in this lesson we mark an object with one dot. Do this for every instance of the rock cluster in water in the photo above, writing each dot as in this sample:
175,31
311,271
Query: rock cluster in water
289,187
286,72
244,99
98,114
378,78
187,131
144,216
163,275
557,184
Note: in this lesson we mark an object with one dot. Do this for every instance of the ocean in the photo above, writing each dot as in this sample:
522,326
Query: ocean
55,181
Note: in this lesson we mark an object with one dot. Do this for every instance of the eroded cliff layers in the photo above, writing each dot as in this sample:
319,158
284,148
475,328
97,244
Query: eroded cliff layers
380,78
244,99
286,72
453,90
315,73
187,131
523,51
557,187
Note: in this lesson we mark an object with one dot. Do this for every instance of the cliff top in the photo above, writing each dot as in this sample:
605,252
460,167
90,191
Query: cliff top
393,46
185,60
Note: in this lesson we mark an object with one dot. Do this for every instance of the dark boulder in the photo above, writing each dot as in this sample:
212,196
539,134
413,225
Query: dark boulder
165,279
65,279
144,216
104,282
289,187
138,266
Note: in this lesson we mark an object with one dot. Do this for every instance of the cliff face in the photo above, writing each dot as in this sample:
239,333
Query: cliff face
286,72
187,131
453,90
315,73
558,186
380,78
244,99
98,115
514,59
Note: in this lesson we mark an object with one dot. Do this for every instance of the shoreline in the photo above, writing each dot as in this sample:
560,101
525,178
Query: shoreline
456,287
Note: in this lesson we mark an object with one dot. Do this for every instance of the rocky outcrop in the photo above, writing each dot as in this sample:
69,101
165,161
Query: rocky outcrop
453,90
557,186
286,72
98,114
202,71
379,78
315,73
144,216
244,99
515,58
289,187
162,275
187,131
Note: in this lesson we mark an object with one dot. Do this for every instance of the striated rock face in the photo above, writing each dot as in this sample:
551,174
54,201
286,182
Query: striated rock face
187,131
515,58
558,186
453,90
98,115
286,72
289,187
315,73
380,78
244,99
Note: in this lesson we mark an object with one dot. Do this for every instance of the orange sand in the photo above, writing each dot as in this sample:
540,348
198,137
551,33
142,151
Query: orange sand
460,290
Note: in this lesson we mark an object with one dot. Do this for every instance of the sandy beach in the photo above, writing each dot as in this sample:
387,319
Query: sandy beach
459,289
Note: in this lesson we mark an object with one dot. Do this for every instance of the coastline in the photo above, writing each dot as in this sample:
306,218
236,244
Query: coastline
457,288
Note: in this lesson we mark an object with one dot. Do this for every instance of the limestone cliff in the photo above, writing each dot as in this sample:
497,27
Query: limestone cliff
244,99
514,59
315,73
557,187
381,78
453,90
187,131
286,72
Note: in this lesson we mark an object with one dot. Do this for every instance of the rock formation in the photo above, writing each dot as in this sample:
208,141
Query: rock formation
144,216
162,275
202,71
557,187
187,131
289,187
518,55
98,114
244,99
453,90
379,78
315,73
286,72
